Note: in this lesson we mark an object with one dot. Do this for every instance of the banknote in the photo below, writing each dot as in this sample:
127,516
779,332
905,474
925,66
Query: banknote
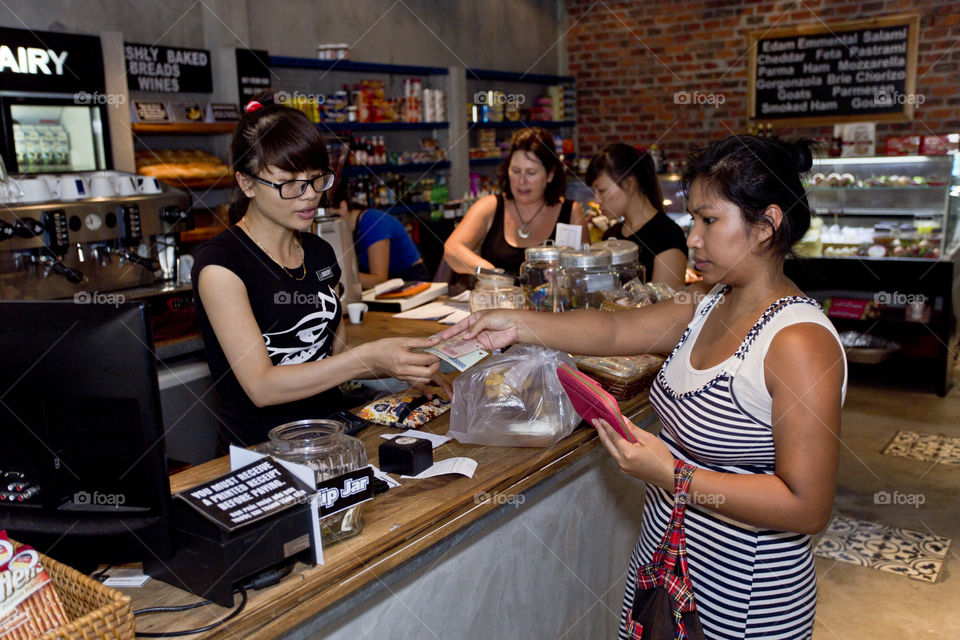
461,353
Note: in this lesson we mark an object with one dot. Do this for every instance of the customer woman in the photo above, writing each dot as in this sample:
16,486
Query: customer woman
625,183
383,246
497,228
750,395
267,290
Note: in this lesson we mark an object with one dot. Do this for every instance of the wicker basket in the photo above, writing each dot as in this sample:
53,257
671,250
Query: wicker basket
98,612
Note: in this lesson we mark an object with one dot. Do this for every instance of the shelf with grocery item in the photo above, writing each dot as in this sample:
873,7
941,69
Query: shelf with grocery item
401,208
349,66
183,128
381,126
513,76
485,162
523,124
390,168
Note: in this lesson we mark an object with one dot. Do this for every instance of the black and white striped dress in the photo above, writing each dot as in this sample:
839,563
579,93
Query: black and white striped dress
748,582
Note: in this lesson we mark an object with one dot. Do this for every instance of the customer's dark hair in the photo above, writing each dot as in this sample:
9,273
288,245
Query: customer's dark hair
273,135
621,161
754,173
540,143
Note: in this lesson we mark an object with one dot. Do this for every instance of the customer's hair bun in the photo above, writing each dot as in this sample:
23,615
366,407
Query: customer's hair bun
802,152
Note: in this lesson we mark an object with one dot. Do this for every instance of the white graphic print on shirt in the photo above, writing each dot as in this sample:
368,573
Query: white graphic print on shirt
301,342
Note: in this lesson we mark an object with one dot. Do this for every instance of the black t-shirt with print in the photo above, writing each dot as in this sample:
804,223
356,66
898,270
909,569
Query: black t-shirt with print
659,234
298,320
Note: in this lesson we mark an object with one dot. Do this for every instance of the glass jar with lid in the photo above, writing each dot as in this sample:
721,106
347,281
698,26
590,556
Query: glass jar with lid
323,446
495,291
540,277
625,259
588,278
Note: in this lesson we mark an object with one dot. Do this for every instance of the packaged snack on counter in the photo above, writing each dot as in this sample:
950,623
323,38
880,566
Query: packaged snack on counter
29,603
407,409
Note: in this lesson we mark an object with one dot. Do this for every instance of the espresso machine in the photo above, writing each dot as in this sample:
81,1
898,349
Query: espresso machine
85,246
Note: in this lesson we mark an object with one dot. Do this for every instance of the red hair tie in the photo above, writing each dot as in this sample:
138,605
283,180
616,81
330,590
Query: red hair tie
253,105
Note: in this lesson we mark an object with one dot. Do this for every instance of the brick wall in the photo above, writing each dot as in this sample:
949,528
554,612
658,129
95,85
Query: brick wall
630,57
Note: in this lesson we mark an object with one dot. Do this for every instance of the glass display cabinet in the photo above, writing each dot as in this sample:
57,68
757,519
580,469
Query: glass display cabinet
882,258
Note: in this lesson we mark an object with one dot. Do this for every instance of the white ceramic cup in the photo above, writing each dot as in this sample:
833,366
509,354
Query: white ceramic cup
53,183
35,190
356,311
101,187
73,187
148,184
125,185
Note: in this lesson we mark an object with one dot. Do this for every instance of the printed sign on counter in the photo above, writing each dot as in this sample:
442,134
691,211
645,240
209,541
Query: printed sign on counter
246,495
856,71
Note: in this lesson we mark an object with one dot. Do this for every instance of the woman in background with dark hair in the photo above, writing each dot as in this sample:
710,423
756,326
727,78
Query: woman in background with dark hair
266,289
750,396
496,229
383,246
625,183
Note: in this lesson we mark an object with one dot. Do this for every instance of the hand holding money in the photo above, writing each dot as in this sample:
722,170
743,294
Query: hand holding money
459,352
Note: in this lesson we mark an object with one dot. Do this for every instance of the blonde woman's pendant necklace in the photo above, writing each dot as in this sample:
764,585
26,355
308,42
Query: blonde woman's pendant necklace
524,230
303,263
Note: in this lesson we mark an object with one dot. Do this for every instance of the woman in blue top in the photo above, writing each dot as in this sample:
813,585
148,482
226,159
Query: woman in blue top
384,248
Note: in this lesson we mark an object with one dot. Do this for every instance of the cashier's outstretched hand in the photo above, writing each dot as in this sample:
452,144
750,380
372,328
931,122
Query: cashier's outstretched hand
493,329
394,357
648,459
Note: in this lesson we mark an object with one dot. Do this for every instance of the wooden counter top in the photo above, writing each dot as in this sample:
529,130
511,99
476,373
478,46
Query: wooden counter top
397,525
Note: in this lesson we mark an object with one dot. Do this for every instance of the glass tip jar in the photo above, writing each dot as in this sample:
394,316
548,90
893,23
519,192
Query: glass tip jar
323,446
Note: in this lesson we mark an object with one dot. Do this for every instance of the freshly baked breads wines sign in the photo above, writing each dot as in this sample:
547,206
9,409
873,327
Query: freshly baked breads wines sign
819,74
168,69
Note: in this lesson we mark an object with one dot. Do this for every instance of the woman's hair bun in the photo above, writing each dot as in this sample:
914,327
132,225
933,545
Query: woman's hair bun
802,151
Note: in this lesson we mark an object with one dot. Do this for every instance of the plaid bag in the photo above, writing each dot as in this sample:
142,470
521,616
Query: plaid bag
663,606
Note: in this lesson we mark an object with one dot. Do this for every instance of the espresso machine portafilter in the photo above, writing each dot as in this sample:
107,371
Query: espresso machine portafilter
58,249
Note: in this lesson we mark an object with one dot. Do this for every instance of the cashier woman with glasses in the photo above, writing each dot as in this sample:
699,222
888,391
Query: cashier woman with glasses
266,289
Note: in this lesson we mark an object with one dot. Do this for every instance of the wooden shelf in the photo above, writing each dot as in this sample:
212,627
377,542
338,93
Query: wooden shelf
184,128
200,234
224,182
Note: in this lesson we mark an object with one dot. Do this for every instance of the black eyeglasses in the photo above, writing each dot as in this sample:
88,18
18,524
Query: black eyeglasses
295,188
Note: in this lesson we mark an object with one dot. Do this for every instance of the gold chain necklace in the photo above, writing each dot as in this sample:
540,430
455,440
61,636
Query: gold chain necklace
303,263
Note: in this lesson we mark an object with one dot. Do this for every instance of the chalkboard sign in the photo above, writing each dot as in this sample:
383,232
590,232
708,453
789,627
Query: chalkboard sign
167,69
825,74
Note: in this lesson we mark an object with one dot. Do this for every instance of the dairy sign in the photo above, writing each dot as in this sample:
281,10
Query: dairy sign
824,74
151,67
43,61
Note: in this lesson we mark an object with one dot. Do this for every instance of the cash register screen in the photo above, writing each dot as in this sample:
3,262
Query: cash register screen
82,467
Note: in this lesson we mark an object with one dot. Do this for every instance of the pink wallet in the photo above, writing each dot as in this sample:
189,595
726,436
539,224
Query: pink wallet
591,401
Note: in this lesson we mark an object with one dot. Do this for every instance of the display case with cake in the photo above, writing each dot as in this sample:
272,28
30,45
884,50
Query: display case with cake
881,256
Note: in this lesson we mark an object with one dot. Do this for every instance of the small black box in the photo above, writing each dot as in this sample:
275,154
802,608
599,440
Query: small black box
406,456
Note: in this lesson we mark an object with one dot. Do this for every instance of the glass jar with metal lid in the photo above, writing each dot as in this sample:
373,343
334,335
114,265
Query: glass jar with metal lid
323,446
588,278
540,277
495,291
625,259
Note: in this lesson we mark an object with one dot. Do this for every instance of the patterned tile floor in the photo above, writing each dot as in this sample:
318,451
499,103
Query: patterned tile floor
910,553
928,447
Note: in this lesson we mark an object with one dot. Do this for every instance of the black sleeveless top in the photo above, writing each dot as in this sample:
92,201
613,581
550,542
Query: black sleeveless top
297,318
495,248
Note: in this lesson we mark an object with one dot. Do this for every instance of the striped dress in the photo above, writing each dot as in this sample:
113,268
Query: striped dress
748,582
